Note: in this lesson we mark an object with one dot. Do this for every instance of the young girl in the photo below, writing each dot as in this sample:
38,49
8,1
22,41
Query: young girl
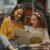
38,27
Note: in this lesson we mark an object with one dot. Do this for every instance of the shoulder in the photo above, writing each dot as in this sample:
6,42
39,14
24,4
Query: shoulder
40,28
7,20
44,30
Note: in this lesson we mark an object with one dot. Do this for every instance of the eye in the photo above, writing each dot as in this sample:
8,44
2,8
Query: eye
19,13
16,15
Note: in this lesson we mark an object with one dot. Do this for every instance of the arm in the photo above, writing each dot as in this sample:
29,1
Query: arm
46,35
4,27
5,42
3,31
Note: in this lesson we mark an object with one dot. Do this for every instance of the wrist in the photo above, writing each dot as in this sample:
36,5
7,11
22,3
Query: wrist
10,48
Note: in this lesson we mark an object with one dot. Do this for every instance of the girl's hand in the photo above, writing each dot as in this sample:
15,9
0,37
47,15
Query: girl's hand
45,43
34,45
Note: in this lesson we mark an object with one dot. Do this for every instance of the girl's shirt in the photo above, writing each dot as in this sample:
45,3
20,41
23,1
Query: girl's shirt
40,32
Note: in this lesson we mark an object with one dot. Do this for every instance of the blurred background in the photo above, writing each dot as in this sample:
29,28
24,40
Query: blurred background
41,6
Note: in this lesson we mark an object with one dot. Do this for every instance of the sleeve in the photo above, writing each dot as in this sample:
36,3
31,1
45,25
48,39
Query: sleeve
46,35
4,27
5,41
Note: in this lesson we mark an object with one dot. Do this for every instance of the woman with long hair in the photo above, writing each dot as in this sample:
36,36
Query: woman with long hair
15,20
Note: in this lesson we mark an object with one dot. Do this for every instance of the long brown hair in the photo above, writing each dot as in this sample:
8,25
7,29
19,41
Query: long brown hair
41,20
18,6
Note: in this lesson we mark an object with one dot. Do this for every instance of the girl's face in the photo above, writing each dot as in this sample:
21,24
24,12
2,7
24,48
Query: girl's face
34,20
17,14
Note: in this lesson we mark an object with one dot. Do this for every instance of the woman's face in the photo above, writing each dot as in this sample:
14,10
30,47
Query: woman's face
17,14
34,20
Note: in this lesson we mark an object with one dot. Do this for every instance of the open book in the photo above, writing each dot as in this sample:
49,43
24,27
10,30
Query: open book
25,37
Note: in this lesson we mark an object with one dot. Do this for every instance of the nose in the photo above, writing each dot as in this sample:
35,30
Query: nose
19,15
32,21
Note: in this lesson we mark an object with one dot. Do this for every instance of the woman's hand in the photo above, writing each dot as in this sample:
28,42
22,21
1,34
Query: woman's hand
15,37
45,43
11,48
